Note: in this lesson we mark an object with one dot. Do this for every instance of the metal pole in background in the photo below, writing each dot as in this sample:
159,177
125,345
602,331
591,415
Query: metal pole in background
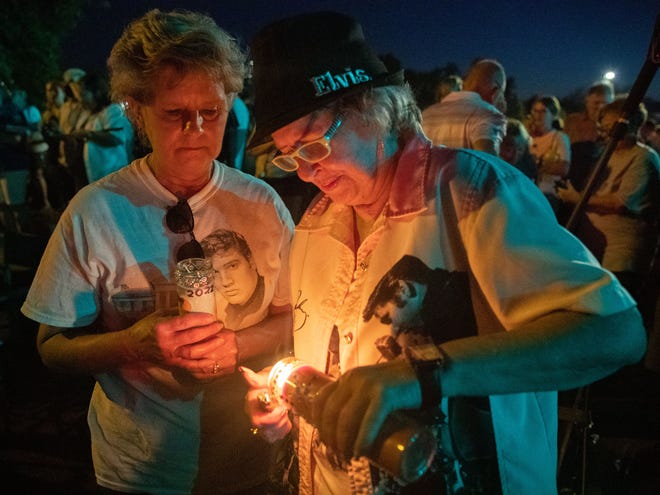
579,414
633,100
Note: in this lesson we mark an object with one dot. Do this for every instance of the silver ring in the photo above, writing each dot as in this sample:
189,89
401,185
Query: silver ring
216,368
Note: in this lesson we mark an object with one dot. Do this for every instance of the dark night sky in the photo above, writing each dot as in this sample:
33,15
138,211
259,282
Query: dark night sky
553,47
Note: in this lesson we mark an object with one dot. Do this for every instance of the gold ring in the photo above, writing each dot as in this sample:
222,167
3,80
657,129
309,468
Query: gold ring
254,430
264,399
216,368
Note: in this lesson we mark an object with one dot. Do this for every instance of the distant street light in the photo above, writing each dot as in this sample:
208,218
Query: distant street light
609,75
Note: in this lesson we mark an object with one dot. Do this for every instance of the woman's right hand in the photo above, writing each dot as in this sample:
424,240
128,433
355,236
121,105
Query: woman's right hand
269,418
552,163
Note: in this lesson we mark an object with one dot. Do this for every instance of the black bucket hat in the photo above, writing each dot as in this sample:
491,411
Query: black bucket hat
304,62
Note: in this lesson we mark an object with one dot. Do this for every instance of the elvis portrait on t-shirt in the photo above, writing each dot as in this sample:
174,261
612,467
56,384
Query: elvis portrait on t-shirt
237,279
420,305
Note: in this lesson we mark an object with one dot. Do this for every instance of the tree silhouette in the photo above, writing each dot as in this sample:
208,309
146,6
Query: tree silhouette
425,84
31,33
514,107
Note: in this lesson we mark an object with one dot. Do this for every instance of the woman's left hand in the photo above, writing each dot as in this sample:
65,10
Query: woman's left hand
210,358
269,418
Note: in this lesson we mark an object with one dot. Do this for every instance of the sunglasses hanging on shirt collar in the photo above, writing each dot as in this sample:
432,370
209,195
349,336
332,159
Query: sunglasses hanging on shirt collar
180,220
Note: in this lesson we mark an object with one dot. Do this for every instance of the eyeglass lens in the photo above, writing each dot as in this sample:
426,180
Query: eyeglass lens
314,151
310,152
180,220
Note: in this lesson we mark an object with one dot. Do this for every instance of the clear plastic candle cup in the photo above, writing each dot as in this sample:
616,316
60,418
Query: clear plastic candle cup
194,285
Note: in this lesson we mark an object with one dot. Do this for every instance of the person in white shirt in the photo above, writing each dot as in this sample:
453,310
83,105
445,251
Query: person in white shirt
472,118
166,413
549,146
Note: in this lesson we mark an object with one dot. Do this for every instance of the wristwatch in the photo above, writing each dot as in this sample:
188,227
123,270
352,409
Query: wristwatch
426,360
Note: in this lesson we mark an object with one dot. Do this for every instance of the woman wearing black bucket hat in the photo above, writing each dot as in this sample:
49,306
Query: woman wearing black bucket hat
547,316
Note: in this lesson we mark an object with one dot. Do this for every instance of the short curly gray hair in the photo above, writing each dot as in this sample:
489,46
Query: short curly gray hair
179,39
387,108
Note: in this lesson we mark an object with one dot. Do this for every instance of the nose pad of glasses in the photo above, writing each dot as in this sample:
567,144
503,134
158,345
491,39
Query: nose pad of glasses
191,249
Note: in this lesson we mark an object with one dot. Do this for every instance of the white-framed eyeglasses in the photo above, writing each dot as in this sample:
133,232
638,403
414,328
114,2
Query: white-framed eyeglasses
313,151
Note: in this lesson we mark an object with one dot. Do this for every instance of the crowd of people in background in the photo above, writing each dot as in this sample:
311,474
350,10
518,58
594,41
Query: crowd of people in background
79,136
559,152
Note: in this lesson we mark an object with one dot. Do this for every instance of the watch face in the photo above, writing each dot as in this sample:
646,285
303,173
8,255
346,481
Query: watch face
424,352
